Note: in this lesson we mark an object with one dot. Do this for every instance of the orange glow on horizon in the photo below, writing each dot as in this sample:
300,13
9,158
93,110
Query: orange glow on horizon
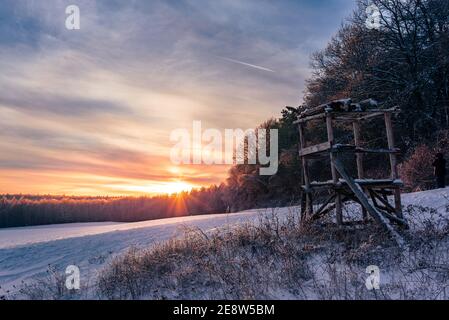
129,180
159,188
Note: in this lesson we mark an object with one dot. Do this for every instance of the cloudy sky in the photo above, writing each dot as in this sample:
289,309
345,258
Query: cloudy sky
90,111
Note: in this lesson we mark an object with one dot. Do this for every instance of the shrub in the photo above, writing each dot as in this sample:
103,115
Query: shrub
417,171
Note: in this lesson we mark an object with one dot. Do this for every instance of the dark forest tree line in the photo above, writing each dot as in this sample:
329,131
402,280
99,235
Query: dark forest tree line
403,63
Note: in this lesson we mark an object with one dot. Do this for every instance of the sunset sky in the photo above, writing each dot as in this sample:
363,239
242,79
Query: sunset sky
90,111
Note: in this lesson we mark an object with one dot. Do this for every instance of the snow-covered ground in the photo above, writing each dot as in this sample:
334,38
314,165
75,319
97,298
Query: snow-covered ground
27,252
14,237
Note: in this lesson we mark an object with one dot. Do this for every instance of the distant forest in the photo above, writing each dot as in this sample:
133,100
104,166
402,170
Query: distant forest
404,63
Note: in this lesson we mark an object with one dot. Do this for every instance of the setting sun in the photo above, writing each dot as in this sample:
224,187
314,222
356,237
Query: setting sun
175,187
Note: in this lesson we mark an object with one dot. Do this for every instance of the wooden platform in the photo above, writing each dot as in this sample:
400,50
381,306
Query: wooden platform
327,147
379,183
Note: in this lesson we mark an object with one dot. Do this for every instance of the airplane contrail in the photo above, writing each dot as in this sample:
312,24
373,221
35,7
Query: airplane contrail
247,64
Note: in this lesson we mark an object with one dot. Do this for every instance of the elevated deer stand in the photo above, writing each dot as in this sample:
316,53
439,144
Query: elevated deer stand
372,195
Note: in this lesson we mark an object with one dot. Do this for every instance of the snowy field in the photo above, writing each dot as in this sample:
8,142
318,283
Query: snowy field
27,253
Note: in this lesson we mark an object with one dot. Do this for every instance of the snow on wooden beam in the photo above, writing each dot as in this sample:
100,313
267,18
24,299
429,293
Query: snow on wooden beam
345,110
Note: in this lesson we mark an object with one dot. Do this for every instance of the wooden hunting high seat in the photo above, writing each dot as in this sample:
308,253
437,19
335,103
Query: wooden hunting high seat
371,194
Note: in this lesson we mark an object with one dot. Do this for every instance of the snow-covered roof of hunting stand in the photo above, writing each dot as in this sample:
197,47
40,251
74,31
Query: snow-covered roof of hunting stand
345,110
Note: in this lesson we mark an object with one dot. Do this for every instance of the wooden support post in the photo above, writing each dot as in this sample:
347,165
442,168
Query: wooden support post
338,203
302,144
393,164
358,143
390,138
303,201
359,159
